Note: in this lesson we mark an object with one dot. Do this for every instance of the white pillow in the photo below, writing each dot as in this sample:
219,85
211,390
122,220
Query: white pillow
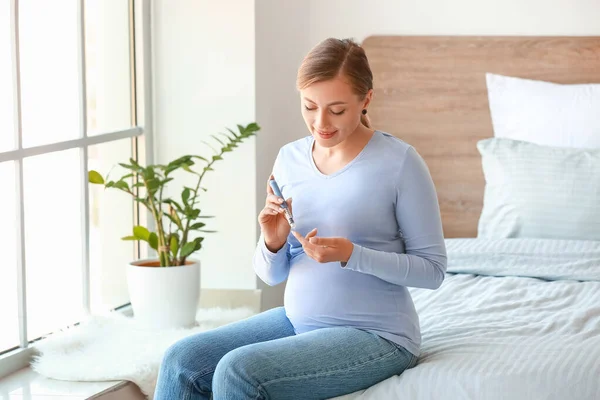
535,191
544,113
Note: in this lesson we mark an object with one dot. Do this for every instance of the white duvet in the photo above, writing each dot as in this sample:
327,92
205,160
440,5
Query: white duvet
514,319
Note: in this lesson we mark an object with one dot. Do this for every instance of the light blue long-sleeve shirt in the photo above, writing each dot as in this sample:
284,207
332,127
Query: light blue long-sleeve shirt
385,203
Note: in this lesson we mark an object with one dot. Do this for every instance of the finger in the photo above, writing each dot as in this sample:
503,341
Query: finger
269,188
322,241
300,238
311,234
266,211
319,254
277,209
273,199
309,248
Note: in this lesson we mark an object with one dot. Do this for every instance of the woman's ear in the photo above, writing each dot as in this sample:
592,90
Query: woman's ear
368,98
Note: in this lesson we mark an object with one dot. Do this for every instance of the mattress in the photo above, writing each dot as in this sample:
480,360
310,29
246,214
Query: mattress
514,319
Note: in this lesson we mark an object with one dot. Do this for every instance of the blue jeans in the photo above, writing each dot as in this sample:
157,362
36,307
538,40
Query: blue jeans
262,358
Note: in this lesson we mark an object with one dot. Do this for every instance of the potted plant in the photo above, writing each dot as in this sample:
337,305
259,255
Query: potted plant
164,291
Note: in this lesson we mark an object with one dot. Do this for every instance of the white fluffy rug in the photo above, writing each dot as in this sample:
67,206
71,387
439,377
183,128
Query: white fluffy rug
112,347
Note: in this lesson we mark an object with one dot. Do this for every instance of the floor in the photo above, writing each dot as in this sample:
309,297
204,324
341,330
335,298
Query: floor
26,384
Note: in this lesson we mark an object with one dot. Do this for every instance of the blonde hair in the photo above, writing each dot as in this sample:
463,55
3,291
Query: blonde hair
333,57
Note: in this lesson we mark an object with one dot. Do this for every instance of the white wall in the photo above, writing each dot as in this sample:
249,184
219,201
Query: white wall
204,81
354,18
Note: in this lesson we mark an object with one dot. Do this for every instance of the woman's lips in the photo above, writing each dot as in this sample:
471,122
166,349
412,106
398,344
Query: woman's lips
325,135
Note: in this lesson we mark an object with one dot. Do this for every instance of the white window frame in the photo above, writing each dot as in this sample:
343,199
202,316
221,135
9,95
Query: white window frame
141,118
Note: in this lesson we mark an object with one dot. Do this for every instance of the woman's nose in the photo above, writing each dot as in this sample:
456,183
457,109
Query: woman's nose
322,120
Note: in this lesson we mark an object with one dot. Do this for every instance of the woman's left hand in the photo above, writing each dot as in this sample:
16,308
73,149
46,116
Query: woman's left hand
325,249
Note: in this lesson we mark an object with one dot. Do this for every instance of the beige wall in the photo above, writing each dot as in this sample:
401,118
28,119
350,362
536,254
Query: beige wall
281,43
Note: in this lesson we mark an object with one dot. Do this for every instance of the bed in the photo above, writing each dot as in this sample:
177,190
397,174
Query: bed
517,317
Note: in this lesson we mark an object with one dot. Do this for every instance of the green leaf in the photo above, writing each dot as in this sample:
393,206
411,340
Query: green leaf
188,169
149,173
135,168
170,169
201,158
141,233
208,169
95,177
174,217
176,204
179,160
208,144
127,166
198,225
253,127
122,185
215,158
188,249
153,241
153,185
129,238
175,221
236,136
174,244
205,231
185,195
198,243
231,139
218,140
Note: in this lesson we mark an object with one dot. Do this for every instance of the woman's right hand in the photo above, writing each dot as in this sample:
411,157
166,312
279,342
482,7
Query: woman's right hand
273,224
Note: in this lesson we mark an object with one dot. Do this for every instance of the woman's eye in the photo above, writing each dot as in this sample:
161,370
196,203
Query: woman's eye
333,112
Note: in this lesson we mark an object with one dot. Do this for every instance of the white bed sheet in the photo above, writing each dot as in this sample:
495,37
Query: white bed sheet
514,319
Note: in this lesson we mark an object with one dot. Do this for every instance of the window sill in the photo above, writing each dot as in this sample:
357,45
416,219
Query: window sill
19,382
27,384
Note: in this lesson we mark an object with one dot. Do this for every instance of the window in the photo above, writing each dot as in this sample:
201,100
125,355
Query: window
74,96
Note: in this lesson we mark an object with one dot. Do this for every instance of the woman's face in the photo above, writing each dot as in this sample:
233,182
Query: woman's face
331,110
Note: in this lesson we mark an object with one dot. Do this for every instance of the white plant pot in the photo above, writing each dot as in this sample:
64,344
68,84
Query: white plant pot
164,297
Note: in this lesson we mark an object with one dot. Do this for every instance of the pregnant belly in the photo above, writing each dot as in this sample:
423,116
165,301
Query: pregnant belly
322,295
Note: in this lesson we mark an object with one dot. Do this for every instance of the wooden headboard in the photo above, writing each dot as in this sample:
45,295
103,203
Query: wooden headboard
430,91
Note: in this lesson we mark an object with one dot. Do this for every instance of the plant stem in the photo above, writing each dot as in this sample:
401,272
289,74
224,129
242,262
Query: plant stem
161,235
163,256
187,223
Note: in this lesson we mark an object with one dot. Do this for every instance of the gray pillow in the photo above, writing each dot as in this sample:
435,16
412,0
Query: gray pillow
535,191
